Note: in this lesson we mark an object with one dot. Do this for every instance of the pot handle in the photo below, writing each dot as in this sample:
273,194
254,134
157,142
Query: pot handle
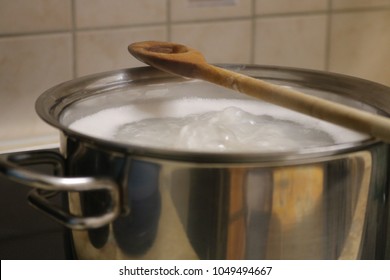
44,185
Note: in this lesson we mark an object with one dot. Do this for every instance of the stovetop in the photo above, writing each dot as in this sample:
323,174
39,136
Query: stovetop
26,233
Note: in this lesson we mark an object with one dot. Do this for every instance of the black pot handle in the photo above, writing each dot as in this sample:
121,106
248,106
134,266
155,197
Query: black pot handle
45,185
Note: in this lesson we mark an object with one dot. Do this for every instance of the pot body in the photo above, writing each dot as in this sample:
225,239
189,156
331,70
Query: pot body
330,207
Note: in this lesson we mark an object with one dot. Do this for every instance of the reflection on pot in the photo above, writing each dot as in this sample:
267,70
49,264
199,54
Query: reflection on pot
135,231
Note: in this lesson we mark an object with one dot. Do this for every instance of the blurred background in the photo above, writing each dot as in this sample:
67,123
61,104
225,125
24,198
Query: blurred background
46,42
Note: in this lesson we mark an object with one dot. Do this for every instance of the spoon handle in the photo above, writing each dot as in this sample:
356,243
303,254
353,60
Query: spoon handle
358,120
181,60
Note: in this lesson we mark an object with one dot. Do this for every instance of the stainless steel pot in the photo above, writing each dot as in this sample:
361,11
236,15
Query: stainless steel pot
130,202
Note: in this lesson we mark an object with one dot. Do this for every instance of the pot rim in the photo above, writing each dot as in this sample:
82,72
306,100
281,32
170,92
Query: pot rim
52,103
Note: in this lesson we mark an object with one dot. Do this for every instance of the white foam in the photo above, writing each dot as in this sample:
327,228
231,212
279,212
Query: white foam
213,125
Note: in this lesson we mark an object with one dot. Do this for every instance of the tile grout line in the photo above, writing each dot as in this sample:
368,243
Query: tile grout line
74,39
253,33
169,21
34,33
328,36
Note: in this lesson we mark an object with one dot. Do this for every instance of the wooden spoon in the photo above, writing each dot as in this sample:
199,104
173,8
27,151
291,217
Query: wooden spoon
184,61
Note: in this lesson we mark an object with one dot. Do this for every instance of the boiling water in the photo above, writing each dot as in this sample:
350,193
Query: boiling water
213,125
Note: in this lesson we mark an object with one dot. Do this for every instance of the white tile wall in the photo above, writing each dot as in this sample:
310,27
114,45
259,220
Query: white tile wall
361,45
103,13
298,41
183,10
29,65
45,42
220,42
343,4
288,6
23,16
103,50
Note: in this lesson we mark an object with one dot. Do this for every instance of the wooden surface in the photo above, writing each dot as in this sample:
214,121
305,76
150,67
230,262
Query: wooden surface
181,60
